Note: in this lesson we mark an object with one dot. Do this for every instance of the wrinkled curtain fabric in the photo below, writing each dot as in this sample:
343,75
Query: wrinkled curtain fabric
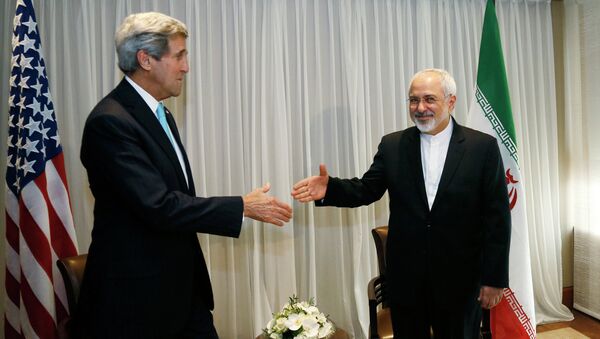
582,148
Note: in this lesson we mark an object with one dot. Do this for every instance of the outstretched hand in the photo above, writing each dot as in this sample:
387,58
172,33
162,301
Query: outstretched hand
312,188
259,206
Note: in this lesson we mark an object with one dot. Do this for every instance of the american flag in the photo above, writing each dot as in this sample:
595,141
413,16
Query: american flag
39,224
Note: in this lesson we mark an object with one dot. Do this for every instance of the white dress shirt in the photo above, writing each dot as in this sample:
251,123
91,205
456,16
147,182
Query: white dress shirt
153,104
434,149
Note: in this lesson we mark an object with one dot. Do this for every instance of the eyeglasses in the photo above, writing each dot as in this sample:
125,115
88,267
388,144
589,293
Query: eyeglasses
427,100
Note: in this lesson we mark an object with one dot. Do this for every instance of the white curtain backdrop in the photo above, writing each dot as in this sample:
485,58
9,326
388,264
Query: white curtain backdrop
582,80
277,87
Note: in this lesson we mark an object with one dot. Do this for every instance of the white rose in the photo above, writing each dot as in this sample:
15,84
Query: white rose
311,327
294,321
280,324
311,310
325,330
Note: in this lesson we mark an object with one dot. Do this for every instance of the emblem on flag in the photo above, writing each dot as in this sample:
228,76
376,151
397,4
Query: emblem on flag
512,189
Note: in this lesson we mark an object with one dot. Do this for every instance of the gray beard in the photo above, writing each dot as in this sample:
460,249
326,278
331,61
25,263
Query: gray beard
426,127
430,125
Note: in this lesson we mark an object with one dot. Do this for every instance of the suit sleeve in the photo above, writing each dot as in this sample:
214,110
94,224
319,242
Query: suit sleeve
358,192
115,156
497,221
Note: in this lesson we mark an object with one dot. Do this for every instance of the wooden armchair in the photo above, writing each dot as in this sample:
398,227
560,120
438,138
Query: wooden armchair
380,321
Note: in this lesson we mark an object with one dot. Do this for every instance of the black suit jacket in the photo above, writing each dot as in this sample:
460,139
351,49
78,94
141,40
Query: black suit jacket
145,269
458,245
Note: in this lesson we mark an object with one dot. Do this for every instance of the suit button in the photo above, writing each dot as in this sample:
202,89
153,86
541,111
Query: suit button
428,225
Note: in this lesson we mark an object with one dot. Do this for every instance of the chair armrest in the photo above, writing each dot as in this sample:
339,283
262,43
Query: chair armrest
374,300
371,292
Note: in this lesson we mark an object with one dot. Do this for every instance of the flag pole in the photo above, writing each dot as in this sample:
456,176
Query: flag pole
486,332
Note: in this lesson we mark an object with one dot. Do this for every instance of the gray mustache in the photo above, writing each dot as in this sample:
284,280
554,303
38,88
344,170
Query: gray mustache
424,114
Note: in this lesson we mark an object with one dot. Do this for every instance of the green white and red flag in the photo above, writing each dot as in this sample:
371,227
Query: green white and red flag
491,113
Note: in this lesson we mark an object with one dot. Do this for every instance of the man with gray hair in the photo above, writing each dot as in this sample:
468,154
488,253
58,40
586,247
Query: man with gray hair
145,275
449,227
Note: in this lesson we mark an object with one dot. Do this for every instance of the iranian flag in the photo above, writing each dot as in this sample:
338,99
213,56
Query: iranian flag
491,113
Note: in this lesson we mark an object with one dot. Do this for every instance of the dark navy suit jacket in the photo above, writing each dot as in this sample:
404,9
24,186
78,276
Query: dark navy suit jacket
145,269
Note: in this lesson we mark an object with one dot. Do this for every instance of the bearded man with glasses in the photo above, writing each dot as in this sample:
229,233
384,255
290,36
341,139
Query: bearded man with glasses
449,227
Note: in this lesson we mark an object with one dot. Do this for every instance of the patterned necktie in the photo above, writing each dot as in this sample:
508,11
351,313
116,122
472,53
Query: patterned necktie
162,118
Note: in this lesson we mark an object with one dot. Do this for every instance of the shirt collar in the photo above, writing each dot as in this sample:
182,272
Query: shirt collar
149,99
444,136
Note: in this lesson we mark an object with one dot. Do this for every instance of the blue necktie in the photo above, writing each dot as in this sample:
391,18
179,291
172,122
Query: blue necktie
162,118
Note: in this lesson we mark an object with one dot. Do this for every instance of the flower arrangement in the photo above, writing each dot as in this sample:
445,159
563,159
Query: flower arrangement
299,320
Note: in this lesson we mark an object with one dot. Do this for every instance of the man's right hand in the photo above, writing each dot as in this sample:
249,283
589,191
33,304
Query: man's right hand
312,188
259,206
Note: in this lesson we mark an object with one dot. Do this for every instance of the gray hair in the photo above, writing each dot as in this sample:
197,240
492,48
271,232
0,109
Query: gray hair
148,31
448,83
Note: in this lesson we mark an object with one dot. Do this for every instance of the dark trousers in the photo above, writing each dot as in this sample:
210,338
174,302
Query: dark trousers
424,318
200,325
443,325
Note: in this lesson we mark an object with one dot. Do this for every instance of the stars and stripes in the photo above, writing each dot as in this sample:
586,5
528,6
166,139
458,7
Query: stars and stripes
39,223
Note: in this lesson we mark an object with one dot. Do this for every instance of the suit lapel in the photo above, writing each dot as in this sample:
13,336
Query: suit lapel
138,108
414,157
456,150
175,131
